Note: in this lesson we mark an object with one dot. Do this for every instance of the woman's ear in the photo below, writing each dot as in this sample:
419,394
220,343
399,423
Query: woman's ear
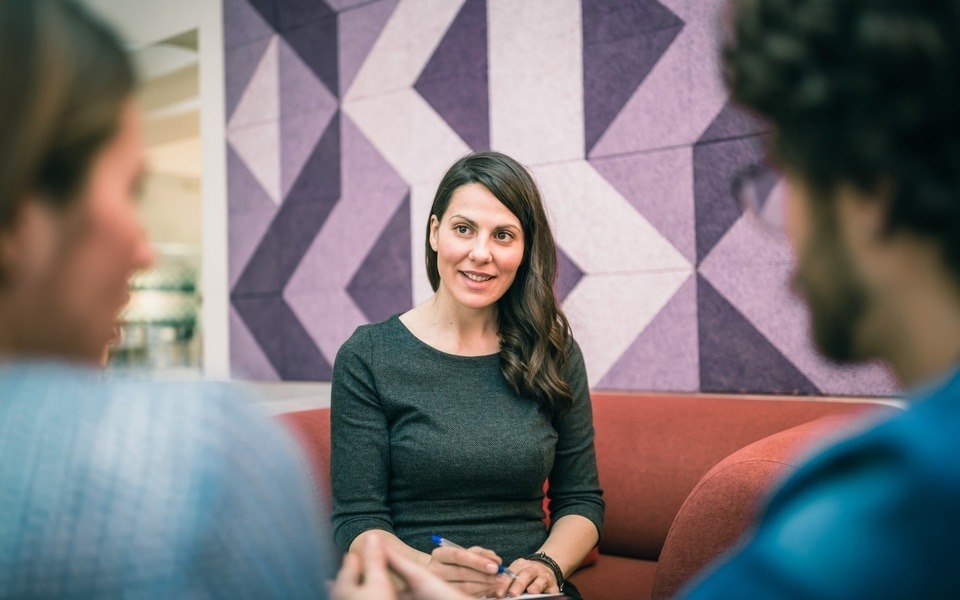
434,231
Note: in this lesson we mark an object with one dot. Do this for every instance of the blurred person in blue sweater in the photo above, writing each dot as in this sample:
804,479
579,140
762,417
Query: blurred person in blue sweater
126,487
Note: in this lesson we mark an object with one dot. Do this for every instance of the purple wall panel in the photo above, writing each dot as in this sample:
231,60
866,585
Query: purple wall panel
454,82
381,287
735,357
338,247
622,42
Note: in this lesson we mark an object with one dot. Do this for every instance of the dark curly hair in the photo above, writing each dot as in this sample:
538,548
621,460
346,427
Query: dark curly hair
864,92
534,333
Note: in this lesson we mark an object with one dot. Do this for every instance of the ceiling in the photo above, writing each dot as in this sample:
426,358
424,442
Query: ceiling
170,98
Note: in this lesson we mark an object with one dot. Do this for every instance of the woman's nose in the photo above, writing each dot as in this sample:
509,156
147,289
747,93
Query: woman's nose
480,252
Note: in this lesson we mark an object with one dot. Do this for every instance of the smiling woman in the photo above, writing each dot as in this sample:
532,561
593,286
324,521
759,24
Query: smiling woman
448,418
478,247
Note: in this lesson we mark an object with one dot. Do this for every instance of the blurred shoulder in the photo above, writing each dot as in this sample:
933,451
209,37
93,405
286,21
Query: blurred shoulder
130,411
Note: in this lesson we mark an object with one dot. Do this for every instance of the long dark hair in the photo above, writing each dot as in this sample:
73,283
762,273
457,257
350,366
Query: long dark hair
534,333
64,78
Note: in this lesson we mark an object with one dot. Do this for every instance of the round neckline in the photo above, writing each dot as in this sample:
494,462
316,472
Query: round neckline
437,351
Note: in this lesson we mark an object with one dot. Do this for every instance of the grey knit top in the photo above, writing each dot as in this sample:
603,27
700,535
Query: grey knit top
428,442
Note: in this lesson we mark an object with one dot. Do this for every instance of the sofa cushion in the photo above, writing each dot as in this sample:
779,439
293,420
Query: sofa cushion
726,501
652,449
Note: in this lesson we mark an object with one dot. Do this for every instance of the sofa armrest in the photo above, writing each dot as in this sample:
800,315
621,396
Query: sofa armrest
727,499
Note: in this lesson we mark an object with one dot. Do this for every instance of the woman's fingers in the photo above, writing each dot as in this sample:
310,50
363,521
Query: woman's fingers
484,563
473,571
422,584
532,578
487,553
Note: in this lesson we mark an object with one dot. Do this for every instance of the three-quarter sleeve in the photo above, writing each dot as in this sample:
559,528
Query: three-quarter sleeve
574,486
360,453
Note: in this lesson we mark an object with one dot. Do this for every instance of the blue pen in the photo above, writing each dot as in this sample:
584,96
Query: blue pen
445,543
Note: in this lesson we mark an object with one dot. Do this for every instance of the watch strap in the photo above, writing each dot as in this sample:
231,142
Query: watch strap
543,558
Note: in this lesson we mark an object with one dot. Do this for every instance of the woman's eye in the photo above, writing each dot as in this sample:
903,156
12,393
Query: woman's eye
503,235
462,229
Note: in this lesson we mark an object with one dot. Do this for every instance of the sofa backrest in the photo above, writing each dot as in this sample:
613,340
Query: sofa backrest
652,449
312,429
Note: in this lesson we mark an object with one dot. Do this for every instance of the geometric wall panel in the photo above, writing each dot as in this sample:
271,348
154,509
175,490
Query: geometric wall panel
715,164
316,44
454,81
730,123
250,212
381,287
240,63
680,95
665,355
242,24
293,228
568,275
253,129
368,214
306,107
359,30
289,348
622,42
536,80
659,185
246,355
735,357
751,267
342,115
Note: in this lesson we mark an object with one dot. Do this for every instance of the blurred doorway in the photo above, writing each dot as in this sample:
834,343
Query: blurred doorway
162,328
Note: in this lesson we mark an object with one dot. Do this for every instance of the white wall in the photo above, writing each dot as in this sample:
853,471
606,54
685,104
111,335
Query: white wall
147,21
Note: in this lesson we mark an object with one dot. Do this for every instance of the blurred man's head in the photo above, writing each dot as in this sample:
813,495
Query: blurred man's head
71,160
862,97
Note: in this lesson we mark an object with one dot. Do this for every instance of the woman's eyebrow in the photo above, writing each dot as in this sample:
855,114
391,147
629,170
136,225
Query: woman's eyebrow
473,223
470,222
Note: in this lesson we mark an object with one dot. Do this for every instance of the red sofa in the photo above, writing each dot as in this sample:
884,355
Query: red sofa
682,475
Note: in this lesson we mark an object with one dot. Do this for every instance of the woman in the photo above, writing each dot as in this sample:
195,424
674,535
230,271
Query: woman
448,418
119,488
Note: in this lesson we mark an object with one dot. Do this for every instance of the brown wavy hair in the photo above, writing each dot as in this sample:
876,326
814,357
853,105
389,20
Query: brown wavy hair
534,333
65,77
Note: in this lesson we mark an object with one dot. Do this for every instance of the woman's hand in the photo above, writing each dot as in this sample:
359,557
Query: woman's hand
471,570
532,578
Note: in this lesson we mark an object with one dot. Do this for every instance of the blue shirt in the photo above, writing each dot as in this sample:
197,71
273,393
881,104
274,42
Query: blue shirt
876,516
149,489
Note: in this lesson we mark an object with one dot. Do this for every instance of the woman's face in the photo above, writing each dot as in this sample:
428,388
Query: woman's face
479,246
72,283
